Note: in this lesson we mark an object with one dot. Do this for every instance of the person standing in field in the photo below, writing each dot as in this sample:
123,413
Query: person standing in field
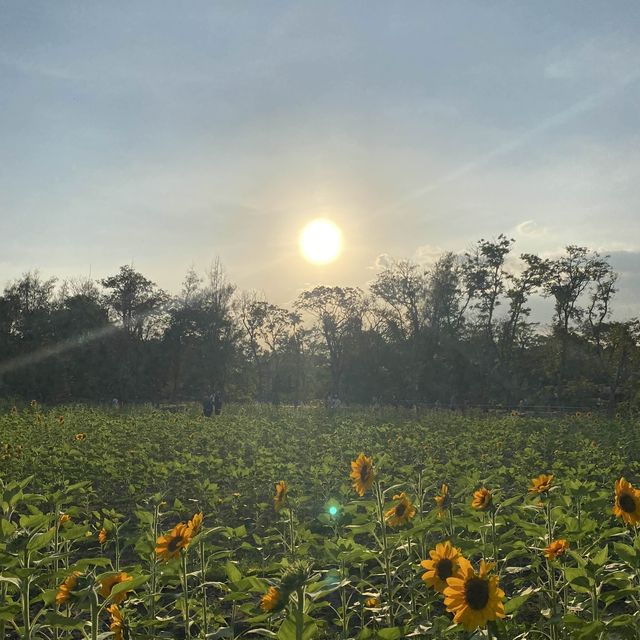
207,406
217,402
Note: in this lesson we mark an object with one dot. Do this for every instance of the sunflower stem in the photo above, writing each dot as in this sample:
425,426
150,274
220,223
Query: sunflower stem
299,613
554,597
56,546
185,591
26,599
549,524
3,598
385,551
152,603
493,534
421,494
93,601
292,534
117,549
203,577
450,510
343,600
579,518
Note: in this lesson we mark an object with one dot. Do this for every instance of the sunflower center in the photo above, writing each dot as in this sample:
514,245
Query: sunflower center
364,473
174,543
627,503
400,509
476,593
444,569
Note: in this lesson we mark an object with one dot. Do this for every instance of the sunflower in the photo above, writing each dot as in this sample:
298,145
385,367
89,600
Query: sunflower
64,517
443,499
555,549
79,437
362,474
108,582
474,598
102,536
64,590
372,603
541,484
281,495
444,564
482,499
61,419
402,512
272,600
169,546
117,622
195,524
627,502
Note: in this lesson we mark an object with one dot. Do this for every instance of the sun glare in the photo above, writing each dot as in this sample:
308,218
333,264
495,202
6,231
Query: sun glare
321,241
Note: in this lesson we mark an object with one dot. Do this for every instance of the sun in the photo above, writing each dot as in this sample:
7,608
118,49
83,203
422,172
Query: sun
321,241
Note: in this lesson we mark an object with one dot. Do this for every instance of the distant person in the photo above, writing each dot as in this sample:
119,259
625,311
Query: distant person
217,403
115,403
207,406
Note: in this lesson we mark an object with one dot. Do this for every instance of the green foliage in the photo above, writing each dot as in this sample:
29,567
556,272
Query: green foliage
136,475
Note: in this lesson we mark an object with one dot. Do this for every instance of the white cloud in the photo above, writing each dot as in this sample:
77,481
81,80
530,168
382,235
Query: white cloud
428,254
382,261
531,229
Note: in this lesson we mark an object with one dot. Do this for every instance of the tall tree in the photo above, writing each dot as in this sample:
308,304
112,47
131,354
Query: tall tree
338,312
568,278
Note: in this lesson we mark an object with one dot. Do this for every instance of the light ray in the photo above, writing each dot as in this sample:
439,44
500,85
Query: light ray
49,351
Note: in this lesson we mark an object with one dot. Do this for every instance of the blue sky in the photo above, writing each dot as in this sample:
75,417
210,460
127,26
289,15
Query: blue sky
164,134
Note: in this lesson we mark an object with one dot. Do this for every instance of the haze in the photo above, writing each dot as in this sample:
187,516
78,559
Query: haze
162,135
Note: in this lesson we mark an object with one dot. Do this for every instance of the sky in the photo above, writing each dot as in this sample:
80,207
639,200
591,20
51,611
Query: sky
163,135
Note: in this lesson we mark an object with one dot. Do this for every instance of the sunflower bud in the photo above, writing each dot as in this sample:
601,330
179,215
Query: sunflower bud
296,576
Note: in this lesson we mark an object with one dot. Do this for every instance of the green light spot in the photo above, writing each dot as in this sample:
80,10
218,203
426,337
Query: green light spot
333,510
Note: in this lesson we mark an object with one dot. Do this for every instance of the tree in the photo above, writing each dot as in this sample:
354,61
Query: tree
139,308
567,279
402,287
201,336
484,275
339,313
135,302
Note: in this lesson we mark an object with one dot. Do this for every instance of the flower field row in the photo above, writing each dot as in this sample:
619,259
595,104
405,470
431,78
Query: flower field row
307,524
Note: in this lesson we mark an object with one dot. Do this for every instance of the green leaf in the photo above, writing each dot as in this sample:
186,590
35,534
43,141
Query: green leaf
589,631
578,579
232,572
601,557
625,552
287,629
129,585
6,528
41,540
390,633
513,604
57,620
14,581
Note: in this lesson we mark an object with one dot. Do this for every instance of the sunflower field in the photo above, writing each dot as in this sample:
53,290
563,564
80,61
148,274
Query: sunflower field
304,523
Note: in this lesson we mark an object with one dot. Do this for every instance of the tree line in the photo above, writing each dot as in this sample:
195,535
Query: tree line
457,333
